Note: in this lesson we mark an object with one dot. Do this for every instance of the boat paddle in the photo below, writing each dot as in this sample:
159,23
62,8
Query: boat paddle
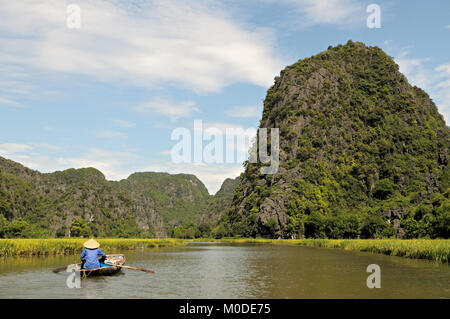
134,268
62,268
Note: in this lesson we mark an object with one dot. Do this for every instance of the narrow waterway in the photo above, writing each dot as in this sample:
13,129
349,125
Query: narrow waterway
204,270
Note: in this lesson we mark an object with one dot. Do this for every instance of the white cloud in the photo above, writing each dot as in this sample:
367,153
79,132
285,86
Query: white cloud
444,75
111,134
6,101
124,124
435,81
166,152
114,165
442,88
117,165
48,146
164,125
242,134
111,164
174,110
233,143
177,42
24,149
14,83
334,12
12,148
444,68
211,175
415,70
222,126
243,111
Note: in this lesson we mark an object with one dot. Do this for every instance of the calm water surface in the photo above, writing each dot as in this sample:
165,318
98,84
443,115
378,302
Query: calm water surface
232,271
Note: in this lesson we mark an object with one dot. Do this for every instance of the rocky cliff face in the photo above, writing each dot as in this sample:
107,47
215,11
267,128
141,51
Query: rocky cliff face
220,203
362,154
50,202
164,201
144,204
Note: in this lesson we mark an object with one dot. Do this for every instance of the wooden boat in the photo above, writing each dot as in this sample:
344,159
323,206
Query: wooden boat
117,260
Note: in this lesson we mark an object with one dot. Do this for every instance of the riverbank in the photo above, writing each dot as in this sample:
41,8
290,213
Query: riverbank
432,249
69,246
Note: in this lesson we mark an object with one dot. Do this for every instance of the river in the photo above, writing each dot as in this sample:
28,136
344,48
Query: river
206,270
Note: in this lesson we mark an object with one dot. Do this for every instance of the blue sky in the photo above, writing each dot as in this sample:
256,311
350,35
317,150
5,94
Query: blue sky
110,93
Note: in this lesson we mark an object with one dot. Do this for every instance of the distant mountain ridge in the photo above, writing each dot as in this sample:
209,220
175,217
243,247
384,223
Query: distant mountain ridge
220,203
178,199
82,201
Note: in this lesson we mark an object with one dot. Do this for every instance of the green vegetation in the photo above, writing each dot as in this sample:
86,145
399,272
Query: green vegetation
179,199
191,231
436,249
68,246
52,205
220,203
363,154
81,202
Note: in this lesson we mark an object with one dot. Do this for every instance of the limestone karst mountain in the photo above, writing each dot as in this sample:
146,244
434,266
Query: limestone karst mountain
362,154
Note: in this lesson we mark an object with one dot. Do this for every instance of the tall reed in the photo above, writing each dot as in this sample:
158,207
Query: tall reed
67,246
432,249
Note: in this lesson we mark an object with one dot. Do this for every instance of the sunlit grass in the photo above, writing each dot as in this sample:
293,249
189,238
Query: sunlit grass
432,249
68,246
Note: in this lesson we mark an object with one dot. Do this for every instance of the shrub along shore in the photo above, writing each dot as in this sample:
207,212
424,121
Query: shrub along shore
431,249
69,246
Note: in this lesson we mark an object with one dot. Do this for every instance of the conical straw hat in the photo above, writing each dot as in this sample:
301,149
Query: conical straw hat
91,244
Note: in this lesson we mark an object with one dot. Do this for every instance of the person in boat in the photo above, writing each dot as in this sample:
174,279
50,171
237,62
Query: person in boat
90,254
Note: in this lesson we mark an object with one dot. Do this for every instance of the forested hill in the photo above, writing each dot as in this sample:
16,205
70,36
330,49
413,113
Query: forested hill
362,154
220,203
178,199
81,202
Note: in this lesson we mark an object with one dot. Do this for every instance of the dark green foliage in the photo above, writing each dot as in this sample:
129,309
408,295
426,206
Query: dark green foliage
220,203
362,153
79,228
315,226
61,232
204,230
192,231
48,205
179,198
374,226
4,225
342,226
18,228
219,232
270,228
211,223
383,188
61,203
430,220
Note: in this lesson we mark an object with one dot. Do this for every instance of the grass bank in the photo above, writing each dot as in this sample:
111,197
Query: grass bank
432,249
68,246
